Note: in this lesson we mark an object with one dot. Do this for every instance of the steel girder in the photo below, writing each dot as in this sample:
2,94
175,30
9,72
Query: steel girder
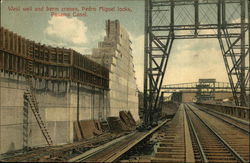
235,51
157,53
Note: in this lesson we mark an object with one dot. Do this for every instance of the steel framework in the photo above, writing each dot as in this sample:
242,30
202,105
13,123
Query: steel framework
167,20
219,87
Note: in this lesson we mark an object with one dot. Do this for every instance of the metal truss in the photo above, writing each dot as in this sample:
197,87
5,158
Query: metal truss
167,20
219,87
235,51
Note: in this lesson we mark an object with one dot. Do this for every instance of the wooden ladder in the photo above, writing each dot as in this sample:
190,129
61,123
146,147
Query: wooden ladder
30,96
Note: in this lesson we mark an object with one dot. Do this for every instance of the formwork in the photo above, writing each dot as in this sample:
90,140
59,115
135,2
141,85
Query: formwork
49,63
69,87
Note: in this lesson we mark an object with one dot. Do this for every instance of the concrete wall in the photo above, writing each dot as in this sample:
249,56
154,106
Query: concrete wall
57,107
115,53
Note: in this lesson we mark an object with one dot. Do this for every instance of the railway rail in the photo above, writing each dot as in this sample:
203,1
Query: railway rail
193,135
240,124
217,140
113,151
60,153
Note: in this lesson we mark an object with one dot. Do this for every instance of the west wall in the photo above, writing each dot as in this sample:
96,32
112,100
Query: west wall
57,106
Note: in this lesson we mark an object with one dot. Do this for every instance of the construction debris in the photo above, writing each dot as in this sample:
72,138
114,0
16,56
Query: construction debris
85,129
125,122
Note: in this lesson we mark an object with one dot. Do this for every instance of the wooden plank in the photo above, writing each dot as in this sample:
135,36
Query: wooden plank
1,60
1,37
6,39
19,44
7,61
23,46
14,63
15,43
11,41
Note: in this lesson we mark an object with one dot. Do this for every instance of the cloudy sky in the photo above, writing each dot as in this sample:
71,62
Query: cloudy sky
189,61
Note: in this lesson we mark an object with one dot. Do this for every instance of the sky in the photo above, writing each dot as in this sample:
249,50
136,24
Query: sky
189,59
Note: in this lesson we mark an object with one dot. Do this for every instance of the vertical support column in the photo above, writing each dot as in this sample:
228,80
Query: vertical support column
57,61
103,105
213,96
150,71
3,37
93,105
172,16
247,82
243,55
248,4
78,103
196,13
165,58
107,103
223,14
145,100
219,18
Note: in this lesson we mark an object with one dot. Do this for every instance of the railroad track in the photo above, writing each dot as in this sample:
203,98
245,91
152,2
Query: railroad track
59,153
215,140
174,143
240,124
114,150
188,137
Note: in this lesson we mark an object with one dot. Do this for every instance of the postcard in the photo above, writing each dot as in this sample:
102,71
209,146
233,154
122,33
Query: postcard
116,80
